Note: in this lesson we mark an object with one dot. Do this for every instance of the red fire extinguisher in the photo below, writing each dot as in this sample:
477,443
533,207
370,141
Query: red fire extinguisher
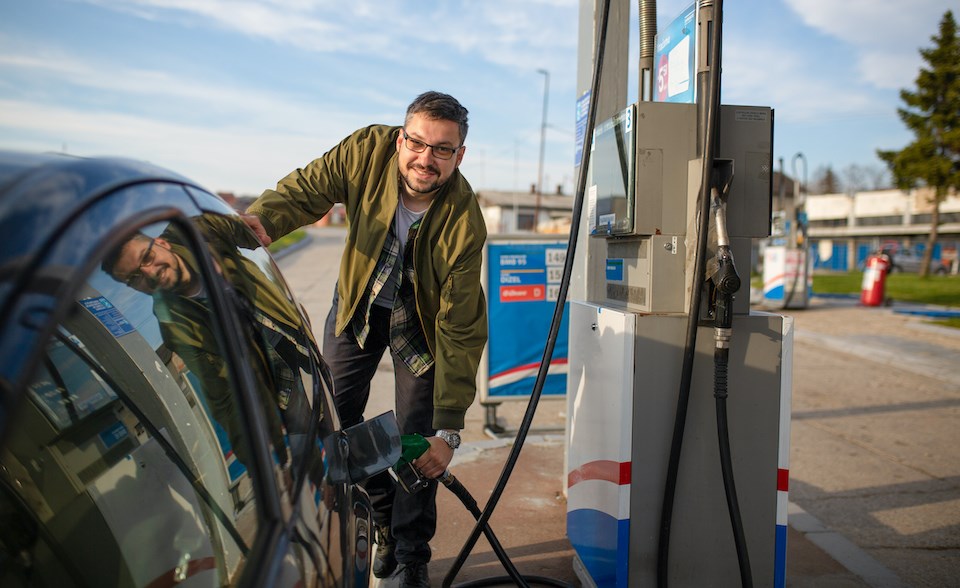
874,279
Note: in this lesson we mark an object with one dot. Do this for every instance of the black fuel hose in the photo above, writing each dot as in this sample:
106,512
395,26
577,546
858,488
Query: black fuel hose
720,357
459,490
727,282
551,342
711,81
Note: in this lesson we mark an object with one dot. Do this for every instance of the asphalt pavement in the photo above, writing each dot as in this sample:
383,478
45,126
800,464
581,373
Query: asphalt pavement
874,473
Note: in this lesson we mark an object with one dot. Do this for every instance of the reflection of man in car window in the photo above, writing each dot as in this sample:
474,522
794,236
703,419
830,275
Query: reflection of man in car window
149,264
165,269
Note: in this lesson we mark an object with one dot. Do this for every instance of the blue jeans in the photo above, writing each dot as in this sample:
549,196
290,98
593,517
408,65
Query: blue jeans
412,517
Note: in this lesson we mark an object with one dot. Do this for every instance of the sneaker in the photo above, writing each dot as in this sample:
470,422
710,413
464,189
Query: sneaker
414,575
385,561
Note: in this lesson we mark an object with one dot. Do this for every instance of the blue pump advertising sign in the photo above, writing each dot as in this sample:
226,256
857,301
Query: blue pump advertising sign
675,59
522,281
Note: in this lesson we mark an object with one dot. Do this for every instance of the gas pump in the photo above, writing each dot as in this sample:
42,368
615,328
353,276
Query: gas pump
787,278
678,394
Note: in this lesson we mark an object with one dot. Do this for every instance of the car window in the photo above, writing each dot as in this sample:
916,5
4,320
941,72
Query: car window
294,386
284,361
127,465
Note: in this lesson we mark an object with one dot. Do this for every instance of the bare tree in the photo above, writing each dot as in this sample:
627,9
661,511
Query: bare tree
824,181
877,177
854,178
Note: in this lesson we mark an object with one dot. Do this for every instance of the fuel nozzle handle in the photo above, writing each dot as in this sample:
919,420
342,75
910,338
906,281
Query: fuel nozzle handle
407,474
726,282
412,447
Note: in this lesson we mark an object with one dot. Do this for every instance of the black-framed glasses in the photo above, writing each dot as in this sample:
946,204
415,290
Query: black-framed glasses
149,256
418,146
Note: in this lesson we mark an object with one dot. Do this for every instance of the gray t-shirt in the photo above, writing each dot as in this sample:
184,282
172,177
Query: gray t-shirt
402,221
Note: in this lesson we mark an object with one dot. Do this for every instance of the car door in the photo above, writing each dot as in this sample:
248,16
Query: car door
142,453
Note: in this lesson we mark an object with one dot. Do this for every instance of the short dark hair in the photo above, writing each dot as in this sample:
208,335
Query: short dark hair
113,256
439,106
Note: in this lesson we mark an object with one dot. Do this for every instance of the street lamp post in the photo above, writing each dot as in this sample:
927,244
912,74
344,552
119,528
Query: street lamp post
543,139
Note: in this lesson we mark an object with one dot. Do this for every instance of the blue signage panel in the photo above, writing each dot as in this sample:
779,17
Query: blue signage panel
675,59
523,283
614,270
108,315
583,112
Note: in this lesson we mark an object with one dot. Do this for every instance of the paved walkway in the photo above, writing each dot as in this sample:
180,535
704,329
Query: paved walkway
875,478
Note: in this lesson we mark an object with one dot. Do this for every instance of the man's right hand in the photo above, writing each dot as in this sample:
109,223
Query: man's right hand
253,221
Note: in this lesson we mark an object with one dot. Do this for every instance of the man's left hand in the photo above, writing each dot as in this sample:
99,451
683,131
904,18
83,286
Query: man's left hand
435,460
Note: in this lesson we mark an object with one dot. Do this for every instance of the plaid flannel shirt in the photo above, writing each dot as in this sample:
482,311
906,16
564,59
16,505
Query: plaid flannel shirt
406,334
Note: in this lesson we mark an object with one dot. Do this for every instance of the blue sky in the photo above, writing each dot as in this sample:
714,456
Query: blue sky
236,93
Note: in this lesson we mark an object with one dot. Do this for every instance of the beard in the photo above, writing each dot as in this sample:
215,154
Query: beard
173,279
419,186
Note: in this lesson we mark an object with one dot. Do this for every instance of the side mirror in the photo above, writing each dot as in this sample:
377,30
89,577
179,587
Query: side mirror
363,450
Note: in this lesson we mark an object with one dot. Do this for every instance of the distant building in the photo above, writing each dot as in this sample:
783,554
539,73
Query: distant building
844,229
517,212
238,203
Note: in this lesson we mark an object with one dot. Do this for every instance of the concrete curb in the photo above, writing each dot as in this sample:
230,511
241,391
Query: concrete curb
842,550
290,249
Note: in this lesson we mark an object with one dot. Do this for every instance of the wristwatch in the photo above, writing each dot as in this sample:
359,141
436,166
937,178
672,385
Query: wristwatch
451,437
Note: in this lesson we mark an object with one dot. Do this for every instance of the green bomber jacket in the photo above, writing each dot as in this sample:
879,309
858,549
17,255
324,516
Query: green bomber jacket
362,173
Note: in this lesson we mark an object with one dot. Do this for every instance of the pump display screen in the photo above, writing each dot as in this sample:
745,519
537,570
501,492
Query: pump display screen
611,193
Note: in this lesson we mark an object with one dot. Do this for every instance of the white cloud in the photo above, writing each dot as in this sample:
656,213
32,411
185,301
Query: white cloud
143,89
238,158
518,35
288,22
884,36
106,77
887,69
784,78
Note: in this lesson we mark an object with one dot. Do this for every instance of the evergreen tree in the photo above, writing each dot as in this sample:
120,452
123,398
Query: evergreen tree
825,181
932,112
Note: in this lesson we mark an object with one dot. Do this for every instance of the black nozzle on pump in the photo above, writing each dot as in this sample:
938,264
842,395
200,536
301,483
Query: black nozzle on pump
726,282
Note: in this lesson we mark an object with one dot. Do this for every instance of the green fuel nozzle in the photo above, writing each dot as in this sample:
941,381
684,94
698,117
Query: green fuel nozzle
411,447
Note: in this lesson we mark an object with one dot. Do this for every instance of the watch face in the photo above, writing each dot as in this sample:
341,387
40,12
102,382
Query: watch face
452,439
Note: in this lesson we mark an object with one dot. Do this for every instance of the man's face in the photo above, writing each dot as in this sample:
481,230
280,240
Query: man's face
424,173
149,265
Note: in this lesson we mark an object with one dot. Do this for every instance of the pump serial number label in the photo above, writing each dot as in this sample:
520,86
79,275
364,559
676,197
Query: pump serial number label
751,115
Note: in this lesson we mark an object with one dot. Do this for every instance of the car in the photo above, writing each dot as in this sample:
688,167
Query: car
909,261
166,417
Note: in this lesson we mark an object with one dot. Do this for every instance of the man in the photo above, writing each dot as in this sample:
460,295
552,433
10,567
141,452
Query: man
409,281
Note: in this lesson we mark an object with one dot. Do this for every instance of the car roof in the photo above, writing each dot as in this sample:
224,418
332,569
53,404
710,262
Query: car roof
59,175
